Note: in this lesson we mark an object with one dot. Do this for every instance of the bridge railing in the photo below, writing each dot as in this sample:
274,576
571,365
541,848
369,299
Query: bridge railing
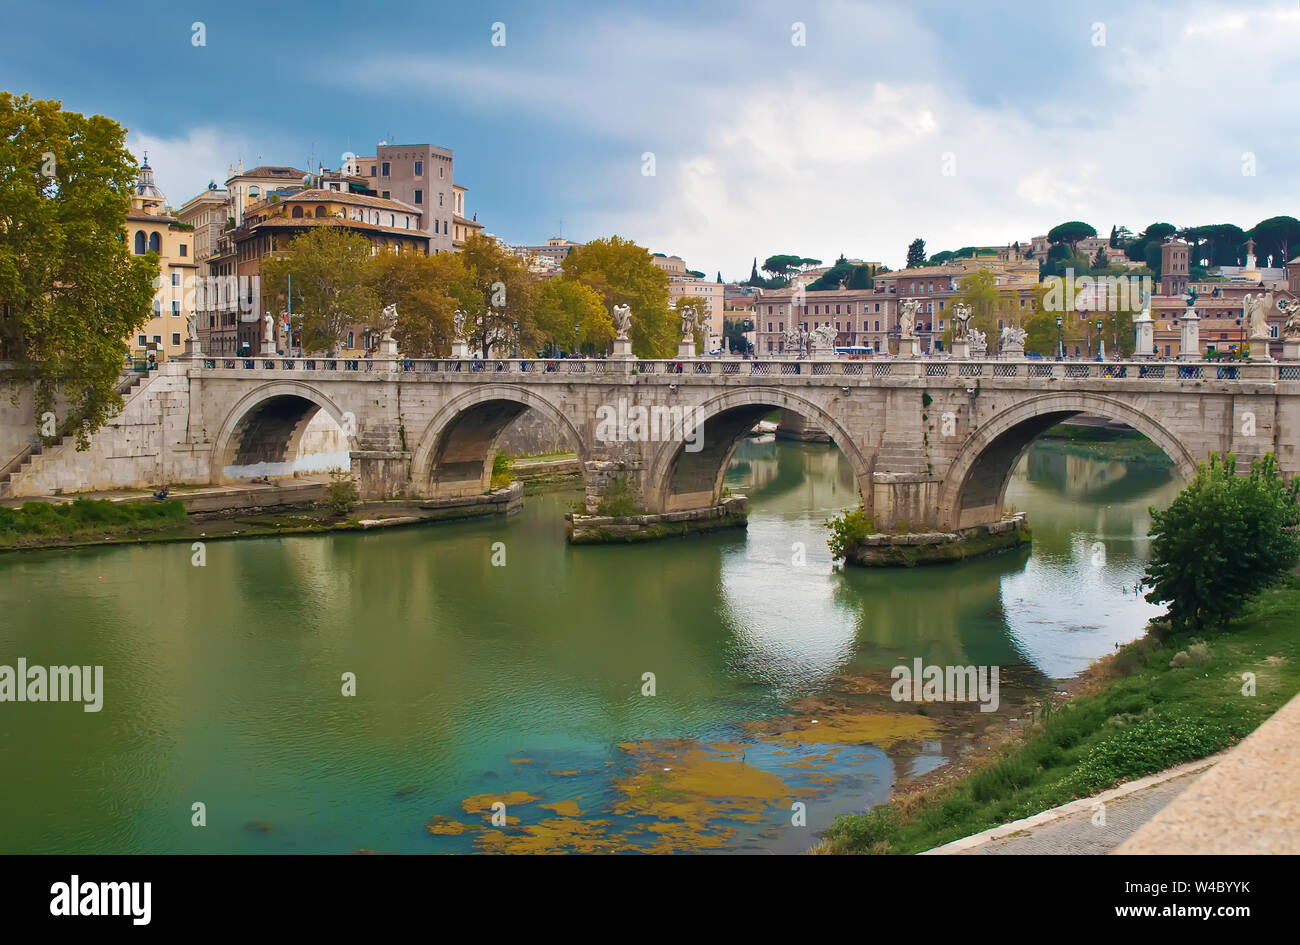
779,367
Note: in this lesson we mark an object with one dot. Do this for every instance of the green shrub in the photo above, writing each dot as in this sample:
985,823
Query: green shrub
1146,747
1222,539
849,528
864,833
341,494
502,464
619,500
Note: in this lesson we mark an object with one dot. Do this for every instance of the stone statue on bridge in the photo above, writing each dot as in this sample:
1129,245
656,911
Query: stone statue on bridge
822,339
622,325
459,344
979,344
690,321
907,309
387,321
1255,309
793,339
1013,341
960,322
268,334
622,320
1291,309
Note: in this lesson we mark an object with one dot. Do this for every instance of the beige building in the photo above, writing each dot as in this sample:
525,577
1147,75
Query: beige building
420,176
461,227
151,228
867,317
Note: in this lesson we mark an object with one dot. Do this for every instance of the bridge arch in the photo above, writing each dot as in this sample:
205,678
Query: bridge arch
453,456
267,425
973,489
679,479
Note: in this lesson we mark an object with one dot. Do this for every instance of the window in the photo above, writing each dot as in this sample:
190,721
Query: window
176,278
155,243
440,199
351,339
157,308
385,195
296,213
185,249
141,340
440,170
157,339
385,169
419,170
419,196
372,170
320,212
176,309
176,338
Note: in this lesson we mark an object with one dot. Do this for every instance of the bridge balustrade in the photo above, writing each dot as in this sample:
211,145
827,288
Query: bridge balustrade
896,367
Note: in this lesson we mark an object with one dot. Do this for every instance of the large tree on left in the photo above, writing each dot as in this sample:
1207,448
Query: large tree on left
71,292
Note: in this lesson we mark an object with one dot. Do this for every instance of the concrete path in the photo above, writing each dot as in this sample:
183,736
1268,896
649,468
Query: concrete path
1092,825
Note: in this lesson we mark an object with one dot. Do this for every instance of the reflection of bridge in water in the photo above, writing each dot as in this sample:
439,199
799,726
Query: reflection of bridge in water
929,441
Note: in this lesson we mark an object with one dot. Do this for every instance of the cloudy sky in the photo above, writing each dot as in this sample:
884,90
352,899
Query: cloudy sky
813,128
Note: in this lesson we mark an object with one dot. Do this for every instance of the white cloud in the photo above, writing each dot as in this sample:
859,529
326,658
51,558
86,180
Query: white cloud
184,166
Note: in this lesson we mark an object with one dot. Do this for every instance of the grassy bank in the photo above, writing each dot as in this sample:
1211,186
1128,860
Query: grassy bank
1101,443
1160,701
43,523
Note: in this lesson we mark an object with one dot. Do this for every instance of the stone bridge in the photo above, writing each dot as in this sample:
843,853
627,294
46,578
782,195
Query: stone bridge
932,442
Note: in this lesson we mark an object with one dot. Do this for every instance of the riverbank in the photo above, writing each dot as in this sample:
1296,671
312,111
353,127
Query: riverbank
1163,700
1108,442
95,523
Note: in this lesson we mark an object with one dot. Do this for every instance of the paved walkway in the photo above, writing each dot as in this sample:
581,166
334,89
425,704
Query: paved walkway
1070,829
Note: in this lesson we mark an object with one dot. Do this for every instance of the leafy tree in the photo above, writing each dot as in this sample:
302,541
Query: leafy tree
916,253
988,304
1113,242
1274,237
570,312
861,278
834,277
621,271
502,295
1223,539
719,277
1070,233
754,278
1041,334
332,283
427,291
1101,262
781,265
70,290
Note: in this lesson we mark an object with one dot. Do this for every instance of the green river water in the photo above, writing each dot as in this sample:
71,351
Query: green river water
523,683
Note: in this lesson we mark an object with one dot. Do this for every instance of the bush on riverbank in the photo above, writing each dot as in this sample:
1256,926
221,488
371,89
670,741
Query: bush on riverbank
848,528
1141,715
1222,539
86,517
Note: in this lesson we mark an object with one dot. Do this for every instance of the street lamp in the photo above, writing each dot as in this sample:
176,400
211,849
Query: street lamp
1060,349
1099,329
577,345
516,326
